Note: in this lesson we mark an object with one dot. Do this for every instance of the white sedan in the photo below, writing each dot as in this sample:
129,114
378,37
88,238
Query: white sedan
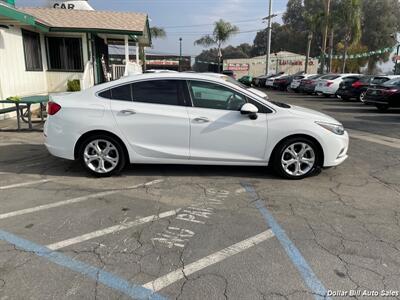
329,84
188,118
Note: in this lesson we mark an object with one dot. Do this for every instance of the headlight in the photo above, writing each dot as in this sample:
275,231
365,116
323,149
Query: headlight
335,128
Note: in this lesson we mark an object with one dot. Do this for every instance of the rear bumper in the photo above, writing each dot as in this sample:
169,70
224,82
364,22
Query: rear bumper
347,93
59,142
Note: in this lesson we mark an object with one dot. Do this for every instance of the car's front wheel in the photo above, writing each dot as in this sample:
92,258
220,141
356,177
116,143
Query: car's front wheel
296,158
102,155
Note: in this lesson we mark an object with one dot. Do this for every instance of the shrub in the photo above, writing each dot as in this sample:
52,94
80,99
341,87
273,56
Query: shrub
73,85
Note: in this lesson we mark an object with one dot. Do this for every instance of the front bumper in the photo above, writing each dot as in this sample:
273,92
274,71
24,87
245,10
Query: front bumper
335,150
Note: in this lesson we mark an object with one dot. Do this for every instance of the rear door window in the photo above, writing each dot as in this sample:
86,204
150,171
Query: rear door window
122,92
165,92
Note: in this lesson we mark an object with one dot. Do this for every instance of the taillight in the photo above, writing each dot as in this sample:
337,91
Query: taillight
329,83
357,84
53,108
390,91
307,81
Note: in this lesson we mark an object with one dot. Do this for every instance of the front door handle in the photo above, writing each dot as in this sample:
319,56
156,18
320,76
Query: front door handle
201,120
128,112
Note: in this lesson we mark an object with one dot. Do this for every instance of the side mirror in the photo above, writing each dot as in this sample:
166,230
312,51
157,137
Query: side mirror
249,109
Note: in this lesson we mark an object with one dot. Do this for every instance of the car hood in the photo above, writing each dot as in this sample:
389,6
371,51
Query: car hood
312,114
258,93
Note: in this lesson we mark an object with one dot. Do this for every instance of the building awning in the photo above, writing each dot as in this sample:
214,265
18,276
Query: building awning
135,25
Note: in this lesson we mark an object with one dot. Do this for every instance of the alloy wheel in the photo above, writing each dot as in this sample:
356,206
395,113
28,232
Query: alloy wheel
362,96
101,156
298,159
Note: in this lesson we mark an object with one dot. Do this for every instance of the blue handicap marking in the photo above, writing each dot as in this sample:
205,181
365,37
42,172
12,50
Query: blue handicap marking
108,279
312,281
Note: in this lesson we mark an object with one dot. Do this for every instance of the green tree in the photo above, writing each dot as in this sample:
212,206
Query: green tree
350,12
380,20
157,32
222,32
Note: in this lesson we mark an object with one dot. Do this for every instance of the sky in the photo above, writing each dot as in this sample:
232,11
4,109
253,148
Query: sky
190,19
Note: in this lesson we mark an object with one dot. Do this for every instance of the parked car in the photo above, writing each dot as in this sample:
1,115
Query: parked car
229,73
385,95
308,85
295,84
246,80
269,83
329,84
353,86
188,118
282,83
357,86
377,80
233,81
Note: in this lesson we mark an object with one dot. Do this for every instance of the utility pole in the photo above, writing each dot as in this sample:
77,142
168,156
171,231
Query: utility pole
180,55
330,51
323,48
309,39
269,31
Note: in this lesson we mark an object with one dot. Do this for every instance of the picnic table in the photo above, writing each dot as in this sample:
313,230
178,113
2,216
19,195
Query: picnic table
28,101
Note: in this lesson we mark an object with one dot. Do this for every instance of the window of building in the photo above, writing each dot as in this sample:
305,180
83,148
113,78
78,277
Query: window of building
32,51
64,54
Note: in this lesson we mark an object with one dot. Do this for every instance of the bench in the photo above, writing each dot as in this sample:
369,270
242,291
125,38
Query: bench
11,109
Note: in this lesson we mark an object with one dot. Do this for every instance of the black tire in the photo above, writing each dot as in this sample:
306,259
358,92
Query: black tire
119,149
382,107
361,97
279,151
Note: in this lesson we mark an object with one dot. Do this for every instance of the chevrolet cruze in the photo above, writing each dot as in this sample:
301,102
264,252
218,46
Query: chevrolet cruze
189,118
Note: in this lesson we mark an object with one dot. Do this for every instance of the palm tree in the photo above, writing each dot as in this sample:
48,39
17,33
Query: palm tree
157,32
312,21
221,34
350,11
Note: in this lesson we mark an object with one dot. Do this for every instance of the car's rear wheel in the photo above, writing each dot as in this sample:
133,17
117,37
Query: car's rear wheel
382,107
101,155
296,158
361,97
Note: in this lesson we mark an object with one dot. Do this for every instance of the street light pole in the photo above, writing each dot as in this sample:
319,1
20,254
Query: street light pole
396,62
180,54
269,29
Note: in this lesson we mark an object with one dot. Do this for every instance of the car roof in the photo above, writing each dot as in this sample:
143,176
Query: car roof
183,76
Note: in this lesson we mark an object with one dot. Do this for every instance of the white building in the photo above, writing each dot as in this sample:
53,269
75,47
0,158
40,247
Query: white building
42,48
283,61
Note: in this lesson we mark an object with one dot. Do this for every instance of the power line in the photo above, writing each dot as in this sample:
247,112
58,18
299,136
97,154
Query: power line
210,24
204,33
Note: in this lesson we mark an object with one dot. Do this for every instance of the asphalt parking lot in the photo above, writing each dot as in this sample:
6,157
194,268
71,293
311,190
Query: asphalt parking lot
200,232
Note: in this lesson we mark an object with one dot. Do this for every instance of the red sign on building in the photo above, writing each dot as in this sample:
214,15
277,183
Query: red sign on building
238,67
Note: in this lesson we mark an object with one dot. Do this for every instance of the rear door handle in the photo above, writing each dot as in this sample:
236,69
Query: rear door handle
128,112
201,120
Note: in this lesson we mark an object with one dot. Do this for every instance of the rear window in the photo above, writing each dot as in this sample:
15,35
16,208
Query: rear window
314,77
379,80
156,91
392,82
351,79
330,77
298,77
365,79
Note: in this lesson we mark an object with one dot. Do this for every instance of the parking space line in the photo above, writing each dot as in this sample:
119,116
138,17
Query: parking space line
23,184
74,200
311,280
375,138
112,229
108,279
207,261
